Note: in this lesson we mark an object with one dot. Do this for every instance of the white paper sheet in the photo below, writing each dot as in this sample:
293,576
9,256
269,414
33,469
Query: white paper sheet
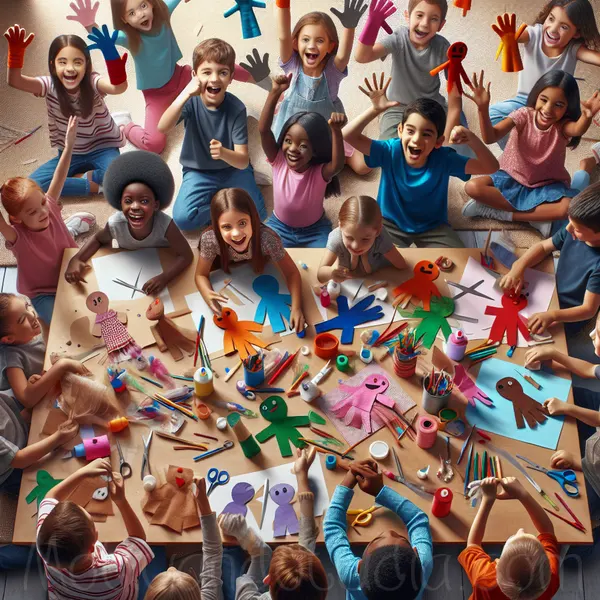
126,266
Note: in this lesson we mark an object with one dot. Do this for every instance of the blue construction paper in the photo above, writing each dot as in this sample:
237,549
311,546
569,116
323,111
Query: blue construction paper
500,419
272,304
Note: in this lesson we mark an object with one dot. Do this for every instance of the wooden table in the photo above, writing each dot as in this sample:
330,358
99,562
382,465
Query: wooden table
506,517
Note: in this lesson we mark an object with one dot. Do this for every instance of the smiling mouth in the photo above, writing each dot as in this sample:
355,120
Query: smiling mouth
415,153
239,242
135,219
213,90
421,34
70,78
292,158
145,24
371,386
311,57
426,271
552,37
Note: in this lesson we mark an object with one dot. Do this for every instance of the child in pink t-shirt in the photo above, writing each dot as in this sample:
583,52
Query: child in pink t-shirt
306,159
532,184
36,234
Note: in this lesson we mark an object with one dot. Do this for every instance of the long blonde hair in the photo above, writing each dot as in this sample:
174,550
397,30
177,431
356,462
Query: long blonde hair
360,210
160,17
173,585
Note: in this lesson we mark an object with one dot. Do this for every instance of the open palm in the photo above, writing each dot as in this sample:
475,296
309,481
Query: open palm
376,91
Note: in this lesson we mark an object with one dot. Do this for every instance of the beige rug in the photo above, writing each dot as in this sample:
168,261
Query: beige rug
47,19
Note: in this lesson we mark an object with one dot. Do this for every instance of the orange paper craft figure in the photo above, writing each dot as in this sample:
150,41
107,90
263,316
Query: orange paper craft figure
238,336
169,336
454,69
509,36
464,4
173,504
421,285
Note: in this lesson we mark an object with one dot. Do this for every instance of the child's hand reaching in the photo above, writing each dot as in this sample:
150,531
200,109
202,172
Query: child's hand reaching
513,280
67,431
297,320
510,488
536,356
539,322
592,105
201,497
100,466
562,459
237,527
340,275
337,121
214,299
116,487
85,12
68,365
281,83
304,460
556,407
481,93
353,11
377,93
155,285
17,44
71,132
489,487
76,270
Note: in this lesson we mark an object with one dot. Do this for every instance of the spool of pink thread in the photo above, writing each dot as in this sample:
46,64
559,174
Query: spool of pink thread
456,345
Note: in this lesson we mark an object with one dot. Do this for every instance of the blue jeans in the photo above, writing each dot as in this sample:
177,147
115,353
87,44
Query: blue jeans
12,484
19,557
96,161
192,206
44,306
501,110
313,236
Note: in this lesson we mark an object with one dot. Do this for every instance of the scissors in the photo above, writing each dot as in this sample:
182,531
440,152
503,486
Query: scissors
567,478
363,517
468,289
145,461
124,466
215,478
133,287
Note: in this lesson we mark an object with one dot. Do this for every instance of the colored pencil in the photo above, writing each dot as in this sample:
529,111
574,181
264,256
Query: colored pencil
476,467
283,367
560,499
325,449
200,323
467,474
492,467
464,447
185,411
208,437
28,135
575,525
151,381
484,469
181,377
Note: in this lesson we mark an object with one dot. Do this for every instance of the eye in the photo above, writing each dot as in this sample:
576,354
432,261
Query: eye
284,490
263,408
227,313
219,319
277,492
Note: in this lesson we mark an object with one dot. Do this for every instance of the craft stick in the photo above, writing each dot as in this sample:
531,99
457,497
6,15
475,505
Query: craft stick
185,411
209,437
174,438
377,285
181,377
346,452
283,367
575,525
317,445
198,447
200,322
233,370
563,502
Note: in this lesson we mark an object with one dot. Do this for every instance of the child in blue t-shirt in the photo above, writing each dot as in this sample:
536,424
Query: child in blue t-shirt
214,154
413,193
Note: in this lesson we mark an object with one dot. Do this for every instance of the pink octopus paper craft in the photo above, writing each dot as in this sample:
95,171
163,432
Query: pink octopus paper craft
420,285
508,320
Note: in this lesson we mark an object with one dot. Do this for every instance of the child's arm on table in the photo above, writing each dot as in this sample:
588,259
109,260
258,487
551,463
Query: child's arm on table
284,29
353,11
588,109
331,169
293,280
279,85
60,492
328,270
62,168
556,407
396,258
581,368
117,493
367,49
170,117
539,322
17,44
201,277
78,265
477,531
308,525
511,489
185,256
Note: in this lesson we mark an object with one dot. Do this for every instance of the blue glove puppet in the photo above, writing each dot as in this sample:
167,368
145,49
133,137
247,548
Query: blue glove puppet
106,43
250,28
349,318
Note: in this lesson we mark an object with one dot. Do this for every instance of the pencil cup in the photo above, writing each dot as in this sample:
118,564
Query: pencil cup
254,378
433,403
404,367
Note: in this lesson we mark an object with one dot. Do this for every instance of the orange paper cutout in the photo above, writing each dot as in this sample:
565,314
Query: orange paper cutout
237,334
420,285
464,4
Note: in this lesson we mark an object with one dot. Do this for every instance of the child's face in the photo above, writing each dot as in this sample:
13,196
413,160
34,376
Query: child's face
313,45
236,229
21,322
424,22
550,107
35,214
419,138
214,80
139,14
139,205
297,148
558,28
357,239
70,65
387,538
582,233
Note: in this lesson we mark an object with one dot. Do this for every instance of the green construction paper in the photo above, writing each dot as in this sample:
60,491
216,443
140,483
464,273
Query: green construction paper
45,482
249,447
314,417
434,320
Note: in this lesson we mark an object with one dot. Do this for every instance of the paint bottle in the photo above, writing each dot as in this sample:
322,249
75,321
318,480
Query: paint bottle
309,391
366,355
331,462
379,450
456,345
325,299
334,289
203,382
442,503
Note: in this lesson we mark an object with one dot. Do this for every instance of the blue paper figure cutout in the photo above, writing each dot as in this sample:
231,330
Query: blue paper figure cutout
250,28
274,305
241,494
349,318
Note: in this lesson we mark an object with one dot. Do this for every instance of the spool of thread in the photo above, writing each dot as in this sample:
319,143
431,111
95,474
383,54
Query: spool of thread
309,391
93,448
249,445
404,366
379,450
366,355
433,403
331,462
342,363
442,503
334,289
325,299
203,382
221,423
456,345
427,429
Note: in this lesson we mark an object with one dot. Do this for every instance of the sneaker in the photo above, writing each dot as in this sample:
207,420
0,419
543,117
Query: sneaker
121,118
475,209
544,227
596,152
80,222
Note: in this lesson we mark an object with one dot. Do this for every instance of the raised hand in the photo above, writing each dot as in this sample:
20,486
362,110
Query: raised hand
460,135
377,93
85,12
506,30
481,93
257,67
353,11
281,83
379,11
17,44
337,121
304,459
71,131
592,105
106,43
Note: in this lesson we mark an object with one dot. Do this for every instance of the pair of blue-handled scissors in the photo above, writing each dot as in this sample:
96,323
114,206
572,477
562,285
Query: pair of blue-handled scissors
215,478
567,478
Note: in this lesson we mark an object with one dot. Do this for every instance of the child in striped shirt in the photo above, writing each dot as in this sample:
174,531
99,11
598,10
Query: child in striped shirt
77,565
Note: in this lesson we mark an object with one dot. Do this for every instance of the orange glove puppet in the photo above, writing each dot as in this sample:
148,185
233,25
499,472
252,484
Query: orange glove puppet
506,29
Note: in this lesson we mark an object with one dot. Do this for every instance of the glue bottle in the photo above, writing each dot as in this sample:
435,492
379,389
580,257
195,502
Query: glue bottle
203,382
456,346
333,289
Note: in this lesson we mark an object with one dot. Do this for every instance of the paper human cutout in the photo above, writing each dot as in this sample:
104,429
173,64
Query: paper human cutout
173,504
110,326
93,495
525,407
285,520
45,482
167,334
275,410
506,29
433,320
454,69
349,318
238,336
469,388
464,4
241,494
420,285
356,409
250,28
508,320
274,305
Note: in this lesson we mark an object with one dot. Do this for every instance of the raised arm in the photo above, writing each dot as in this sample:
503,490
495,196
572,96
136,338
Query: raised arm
62,168
584,54
511,489
84,13
349,18
484,162
115,64
284,29
7,230
294,282
477,531
269,144
367,50
338,159
589,108
78,264
17,44
171,116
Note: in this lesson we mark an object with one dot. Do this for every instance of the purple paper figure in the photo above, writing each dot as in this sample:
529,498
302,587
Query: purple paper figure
285,515
356,408
241,494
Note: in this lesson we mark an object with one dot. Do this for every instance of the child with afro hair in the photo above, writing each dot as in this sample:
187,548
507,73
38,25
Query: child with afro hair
140,186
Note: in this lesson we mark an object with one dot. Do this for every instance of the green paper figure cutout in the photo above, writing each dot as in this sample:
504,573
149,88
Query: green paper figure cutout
45,482
433,320
275,410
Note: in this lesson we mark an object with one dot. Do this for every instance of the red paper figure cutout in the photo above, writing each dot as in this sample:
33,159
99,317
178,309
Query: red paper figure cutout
421,285
508,320
455,71
464,4
237,334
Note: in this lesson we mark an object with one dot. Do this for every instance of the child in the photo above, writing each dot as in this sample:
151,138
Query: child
292,570
237,234
175,585
37,235
564,32
67,541
578,269
415,50
392,566
73,89
528,567
533,184
360,245
415,167
140,186
316,62
215,146
306,159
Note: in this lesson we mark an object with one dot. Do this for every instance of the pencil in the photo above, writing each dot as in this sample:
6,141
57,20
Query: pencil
484,467
317,445
576,525
28,135
200,323
185,411
469,460
476,467
560,499
151,381
499,467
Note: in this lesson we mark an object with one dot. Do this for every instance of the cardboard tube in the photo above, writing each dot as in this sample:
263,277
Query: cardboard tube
248,444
